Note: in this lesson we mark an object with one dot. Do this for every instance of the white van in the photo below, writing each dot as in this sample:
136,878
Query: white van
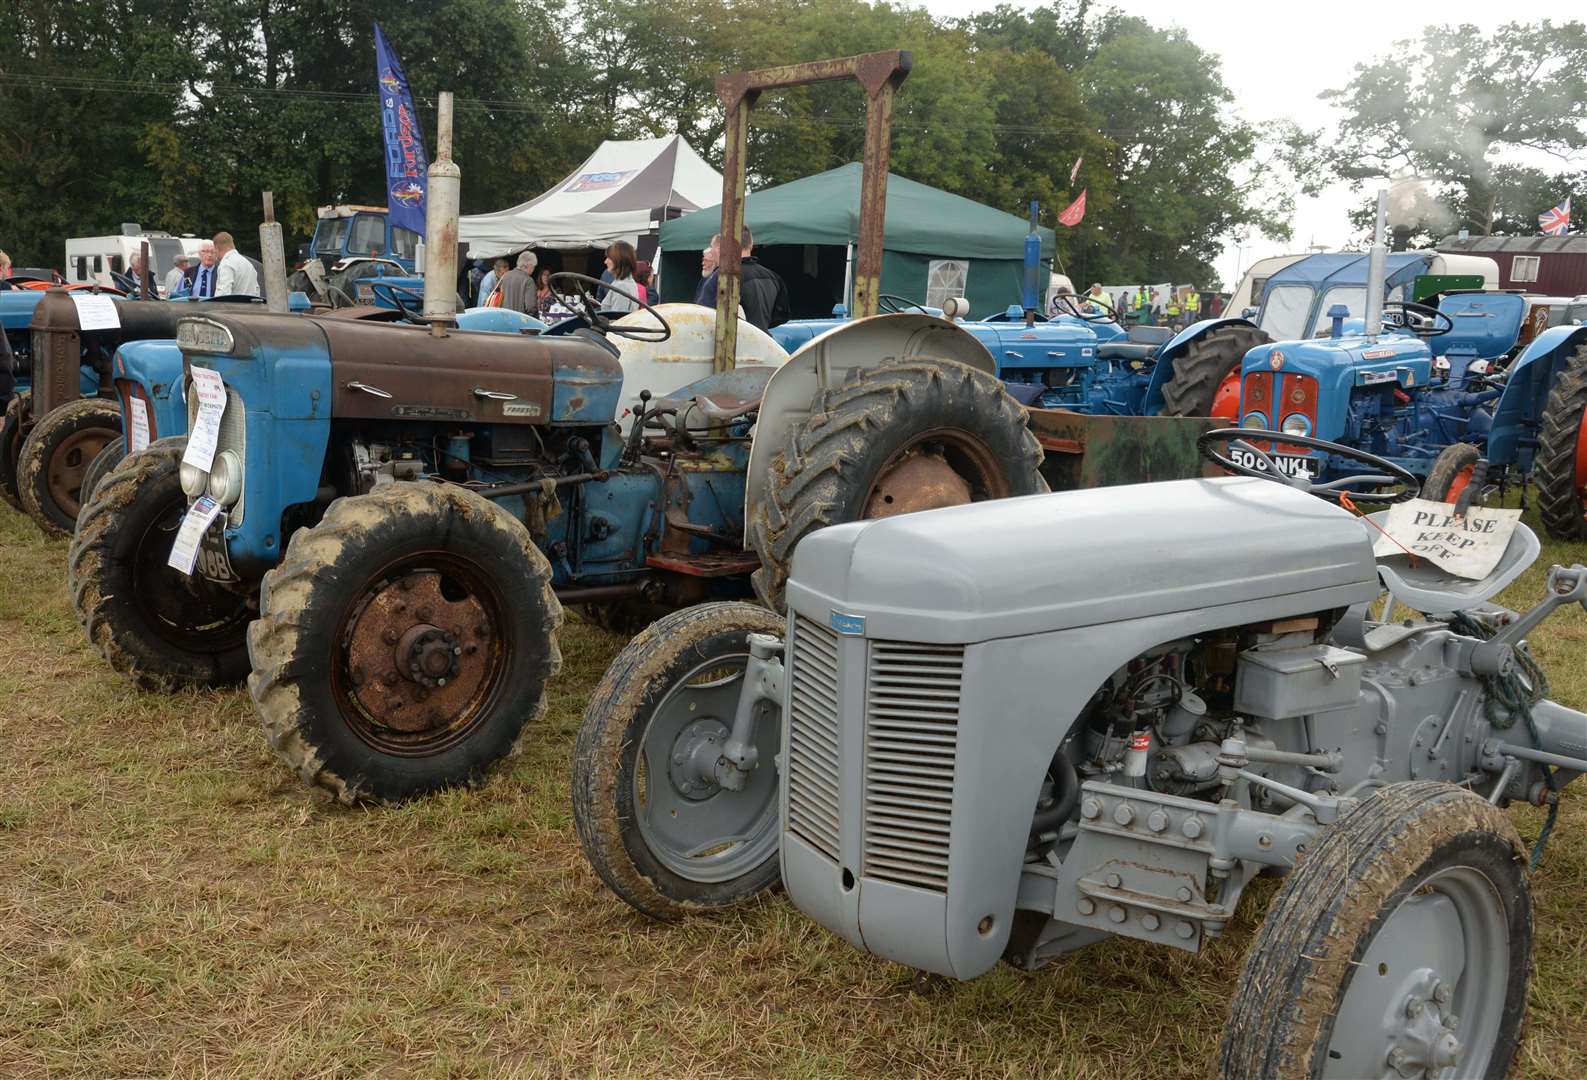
91,260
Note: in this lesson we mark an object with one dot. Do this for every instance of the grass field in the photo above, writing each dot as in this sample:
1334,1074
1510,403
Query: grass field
173,902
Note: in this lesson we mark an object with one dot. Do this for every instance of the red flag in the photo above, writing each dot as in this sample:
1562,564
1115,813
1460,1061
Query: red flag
1077,210
1074,170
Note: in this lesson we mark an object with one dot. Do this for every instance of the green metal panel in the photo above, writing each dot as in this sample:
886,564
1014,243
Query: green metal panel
1431,284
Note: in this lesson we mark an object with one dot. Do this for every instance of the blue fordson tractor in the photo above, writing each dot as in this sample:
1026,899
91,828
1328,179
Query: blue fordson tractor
1456,391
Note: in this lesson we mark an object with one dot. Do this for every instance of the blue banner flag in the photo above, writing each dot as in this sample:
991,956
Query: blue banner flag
406,162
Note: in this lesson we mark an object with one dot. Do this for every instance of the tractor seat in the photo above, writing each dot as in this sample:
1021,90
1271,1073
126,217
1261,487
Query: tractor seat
1150,335
1427,588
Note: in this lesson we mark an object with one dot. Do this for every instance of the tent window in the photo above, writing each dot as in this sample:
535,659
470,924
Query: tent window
1284,311
1524,268
1353,297
945,279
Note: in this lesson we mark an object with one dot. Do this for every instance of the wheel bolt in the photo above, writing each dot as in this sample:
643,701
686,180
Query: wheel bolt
1413,1008
390,636
424,614
457,650
1441,994
1114,881
440,682
677,759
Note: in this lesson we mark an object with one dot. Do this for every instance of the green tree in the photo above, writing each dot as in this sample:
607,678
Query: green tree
1452,105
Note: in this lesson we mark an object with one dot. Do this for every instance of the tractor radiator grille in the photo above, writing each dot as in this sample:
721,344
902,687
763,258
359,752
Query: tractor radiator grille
911,735
813,737
233,435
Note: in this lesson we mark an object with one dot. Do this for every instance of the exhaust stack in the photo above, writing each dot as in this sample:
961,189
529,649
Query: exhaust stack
1377,269
442,202
273,257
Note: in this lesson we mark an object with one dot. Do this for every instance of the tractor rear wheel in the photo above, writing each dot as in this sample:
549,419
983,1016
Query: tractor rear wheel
652,818
1400,946
55,459
148,620
16,415
1205,367
403,643
114,453
906,435
1561,460
1451,473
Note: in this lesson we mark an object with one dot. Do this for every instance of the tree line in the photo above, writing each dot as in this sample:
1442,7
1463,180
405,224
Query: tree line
177,113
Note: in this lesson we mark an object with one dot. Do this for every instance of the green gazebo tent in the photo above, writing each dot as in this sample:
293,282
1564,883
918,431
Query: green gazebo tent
935,244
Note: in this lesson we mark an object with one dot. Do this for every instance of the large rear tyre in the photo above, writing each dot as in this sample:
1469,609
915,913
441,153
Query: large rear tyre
657,828
1206,366
1560,464
16,414
1401,946
114,453
1451,473
403,643
905,435
55,459
149,621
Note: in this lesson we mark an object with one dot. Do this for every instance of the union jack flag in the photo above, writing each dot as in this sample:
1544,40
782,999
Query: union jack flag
1556,221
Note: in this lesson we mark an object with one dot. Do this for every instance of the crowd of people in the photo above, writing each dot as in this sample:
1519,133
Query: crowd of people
628,283
1177,310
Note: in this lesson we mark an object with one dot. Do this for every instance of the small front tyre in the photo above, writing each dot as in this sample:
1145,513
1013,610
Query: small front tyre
1400,947
55,458
149,621
403,643
1451,473
11,435
654,824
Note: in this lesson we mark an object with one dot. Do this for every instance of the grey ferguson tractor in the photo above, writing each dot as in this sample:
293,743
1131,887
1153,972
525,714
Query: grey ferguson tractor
973,737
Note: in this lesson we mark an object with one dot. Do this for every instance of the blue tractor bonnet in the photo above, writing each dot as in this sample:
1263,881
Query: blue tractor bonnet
1487,325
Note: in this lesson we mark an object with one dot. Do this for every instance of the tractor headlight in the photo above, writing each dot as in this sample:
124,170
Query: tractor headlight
194,480
225,478
1255,420
1296,424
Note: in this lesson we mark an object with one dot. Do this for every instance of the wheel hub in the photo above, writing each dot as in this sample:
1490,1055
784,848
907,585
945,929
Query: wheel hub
921,479
427,655
691,764
69,463
1426,1043
419,653
1581,455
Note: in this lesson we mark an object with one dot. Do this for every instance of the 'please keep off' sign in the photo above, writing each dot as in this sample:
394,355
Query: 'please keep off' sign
1467,546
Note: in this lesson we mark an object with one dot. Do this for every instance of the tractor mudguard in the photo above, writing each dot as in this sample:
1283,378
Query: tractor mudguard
665,367
1153,402
1520,407
826,360
495,320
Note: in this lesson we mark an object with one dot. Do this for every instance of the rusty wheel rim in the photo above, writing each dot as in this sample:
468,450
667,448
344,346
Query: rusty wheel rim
422,655
68,464
937,468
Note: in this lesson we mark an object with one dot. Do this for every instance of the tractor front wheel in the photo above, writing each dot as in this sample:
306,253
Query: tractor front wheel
1210,364
55,459
114,453
16,415
148,620
1561,460
1451,473
654,820
403,643
906,435
1400,946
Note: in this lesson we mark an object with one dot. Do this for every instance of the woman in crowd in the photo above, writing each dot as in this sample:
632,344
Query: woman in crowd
620,261
543,291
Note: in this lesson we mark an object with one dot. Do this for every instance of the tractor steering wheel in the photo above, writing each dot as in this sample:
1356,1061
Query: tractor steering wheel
890,304
1442,323
582,297
1407,486
1076,306
394,293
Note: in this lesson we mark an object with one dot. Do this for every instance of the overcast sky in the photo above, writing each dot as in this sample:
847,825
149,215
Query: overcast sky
1278,58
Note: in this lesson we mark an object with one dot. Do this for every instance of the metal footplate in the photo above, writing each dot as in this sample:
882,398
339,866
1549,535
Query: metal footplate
1165,868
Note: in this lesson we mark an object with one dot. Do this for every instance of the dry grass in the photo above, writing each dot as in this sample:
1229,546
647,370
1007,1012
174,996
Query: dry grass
173,902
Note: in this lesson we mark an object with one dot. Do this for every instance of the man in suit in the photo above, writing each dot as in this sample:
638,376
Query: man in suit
201,278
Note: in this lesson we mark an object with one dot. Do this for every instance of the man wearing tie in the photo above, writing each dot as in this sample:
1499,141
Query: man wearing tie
201,278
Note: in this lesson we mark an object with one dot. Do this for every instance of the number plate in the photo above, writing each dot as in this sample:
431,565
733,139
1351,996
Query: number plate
213,562
1299,467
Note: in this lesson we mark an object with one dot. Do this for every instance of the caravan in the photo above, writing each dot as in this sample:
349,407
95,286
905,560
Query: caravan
99,260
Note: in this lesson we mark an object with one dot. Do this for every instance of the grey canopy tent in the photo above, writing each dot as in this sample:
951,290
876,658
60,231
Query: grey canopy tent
935,244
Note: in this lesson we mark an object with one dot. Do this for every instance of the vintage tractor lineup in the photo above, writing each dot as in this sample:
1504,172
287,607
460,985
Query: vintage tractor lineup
882,653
